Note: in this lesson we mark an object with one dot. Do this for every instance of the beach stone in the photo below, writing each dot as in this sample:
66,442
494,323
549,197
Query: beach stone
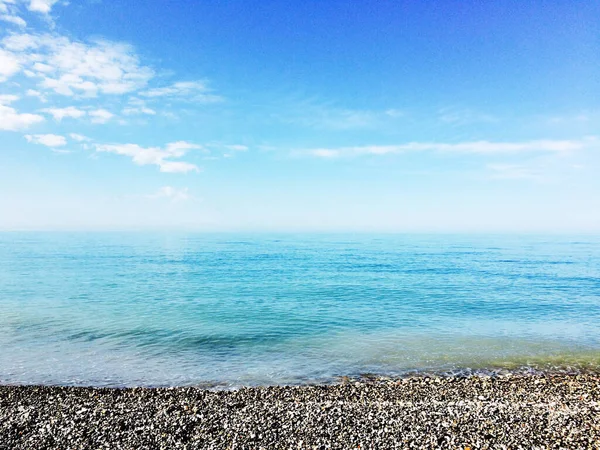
549,410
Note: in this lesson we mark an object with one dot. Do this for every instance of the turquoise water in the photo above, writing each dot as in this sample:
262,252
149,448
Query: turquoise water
112,309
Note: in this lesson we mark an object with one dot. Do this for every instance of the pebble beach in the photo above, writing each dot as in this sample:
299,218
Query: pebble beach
511,411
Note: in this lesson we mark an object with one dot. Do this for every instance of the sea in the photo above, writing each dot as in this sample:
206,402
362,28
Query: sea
230,310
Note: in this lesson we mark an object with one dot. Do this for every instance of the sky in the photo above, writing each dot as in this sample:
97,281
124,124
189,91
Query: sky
387,116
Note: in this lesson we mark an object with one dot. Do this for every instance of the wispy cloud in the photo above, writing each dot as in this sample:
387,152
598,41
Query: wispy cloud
8,98
513,172
133,111
171,193
79,137
9,64
195,91
227,147
100,115
41,6
394,113
464,116
10,10
220,150
323,115
98,76
475,147
73,68
49,140
60,113
15,20
237,148
137,106
161,157
560,120
33,93
11,119
326,152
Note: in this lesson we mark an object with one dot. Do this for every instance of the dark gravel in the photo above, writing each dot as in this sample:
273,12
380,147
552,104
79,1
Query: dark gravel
509,412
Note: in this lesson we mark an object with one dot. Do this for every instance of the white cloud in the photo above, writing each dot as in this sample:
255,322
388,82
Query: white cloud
20,42
196,91
180,147
100,115
60,113
44,68
9,65
513,172
38,94
56,64
16,20
576,118
237,148
49,140
227,150
11,119
131,111
161,157
178,167
325,153
394,112
179,88
171,193
476,147
79,137
137,106
7,6
74,68
41,6
7,99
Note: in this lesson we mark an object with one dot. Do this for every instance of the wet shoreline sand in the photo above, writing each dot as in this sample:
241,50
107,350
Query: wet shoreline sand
542,410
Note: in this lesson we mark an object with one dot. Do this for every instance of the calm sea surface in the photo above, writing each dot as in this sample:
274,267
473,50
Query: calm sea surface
114,309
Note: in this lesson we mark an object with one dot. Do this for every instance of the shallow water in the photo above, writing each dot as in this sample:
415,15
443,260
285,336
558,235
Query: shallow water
114,309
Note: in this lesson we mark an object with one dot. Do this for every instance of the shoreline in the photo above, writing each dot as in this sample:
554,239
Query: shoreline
514,410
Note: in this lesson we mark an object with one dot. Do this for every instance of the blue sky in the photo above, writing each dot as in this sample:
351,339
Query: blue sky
333,116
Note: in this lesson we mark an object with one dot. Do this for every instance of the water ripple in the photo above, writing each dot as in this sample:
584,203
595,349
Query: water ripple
156,309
